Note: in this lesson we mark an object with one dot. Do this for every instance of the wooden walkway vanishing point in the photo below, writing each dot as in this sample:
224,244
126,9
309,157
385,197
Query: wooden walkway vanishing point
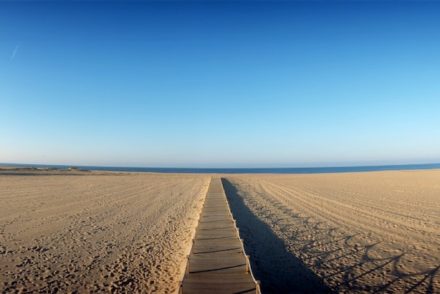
217,262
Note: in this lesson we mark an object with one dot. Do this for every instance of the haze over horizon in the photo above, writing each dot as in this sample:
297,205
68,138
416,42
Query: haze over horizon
220,84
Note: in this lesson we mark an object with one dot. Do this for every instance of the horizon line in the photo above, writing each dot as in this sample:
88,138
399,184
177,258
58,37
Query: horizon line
5,164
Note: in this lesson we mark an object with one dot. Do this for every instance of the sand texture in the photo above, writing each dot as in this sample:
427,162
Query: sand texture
358,232
93,232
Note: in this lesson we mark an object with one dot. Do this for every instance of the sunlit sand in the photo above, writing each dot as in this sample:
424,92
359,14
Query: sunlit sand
364,232
95,232
99,233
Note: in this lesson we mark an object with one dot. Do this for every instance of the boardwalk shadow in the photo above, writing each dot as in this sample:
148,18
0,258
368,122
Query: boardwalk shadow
345,262
277,269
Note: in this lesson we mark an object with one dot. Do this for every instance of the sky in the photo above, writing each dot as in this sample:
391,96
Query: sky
219,84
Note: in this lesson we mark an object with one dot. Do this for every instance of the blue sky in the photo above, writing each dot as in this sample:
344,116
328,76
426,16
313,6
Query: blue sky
220,84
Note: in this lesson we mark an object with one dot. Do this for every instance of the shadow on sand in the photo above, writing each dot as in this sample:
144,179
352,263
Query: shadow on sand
277,269
281,272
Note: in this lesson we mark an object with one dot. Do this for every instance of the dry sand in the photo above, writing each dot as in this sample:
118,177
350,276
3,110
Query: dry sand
359,232
106,232
93,232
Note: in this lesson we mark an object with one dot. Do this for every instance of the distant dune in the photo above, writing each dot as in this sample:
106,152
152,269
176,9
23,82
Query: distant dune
360,232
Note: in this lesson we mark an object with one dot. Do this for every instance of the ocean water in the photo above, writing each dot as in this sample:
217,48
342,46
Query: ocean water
287,170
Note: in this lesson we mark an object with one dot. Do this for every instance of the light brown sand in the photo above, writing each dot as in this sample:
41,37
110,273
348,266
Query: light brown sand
360,232
120,233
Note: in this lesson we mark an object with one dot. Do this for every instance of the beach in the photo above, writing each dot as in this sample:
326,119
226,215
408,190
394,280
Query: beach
359,232
70,231
88,232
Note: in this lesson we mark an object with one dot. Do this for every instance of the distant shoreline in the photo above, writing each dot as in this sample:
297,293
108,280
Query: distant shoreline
293,170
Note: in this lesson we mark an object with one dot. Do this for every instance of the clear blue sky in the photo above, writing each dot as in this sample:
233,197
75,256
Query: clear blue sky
220,84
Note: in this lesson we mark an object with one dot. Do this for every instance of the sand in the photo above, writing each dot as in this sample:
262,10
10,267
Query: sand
91,232
130,233
358,232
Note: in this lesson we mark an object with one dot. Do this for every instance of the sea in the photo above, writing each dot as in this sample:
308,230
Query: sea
276,170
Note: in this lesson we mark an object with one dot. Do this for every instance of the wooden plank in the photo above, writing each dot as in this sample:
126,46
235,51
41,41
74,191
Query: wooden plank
217,263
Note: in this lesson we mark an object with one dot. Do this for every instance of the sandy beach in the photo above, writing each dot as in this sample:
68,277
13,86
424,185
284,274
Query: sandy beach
130,233
359,232
96,232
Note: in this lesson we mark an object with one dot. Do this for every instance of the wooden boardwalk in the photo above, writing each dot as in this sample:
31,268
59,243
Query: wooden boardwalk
217,263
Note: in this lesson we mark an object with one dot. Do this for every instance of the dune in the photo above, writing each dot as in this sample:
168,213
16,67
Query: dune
96,232
358,232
